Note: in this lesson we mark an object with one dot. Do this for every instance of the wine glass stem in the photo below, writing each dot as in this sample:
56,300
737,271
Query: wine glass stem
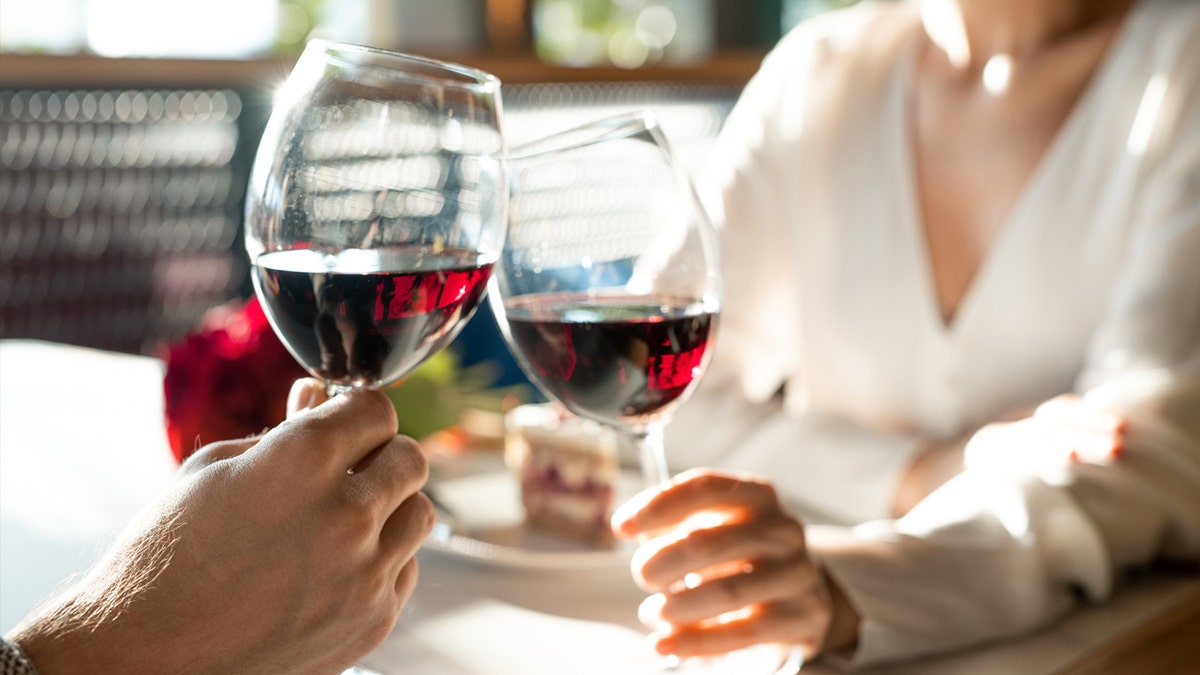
649,444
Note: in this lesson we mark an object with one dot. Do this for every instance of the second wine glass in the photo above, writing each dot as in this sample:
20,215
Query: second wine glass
608,289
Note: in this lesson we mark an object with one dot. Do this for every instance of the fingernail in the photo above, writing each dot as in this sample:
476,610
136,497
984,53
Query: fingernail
625,513
664,644
622,518
650,611
621,525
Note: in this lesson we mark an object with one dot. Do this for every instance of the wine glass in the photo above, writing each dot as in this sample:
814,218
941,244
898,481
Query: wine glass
608,289
608,292
376,209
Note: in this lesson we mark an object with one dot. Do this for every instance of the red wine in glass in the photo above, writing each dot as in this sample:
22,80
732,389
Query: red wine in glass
368,317
616,358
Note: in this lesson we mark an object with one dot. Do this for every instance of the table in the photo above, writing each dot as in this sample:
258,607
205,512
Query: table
82,447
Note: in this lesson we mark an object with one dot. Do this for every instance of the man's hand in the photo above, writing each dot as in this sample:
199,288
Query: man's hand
292,552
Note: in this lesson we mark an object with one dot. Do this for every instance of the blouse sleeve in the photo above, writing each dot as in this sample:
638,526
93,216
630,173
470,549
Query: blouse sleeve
997,554
733,421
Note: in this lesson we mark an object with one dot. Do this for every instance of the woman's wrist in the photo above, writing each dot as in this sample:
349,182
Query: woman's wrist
842,634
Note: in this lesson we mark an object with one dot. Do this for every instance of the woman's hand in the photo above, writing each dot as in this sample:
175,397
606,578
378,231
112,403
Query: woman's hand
1064,430
728,568
292,552
1061,432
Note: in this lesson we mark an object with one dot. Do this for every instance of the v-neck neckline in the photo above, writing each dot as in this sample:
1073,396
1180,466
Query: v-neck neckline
1014,219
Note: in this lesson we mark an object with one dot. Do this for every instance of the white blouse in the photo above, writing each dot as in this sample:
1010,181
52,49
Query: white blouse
1092,285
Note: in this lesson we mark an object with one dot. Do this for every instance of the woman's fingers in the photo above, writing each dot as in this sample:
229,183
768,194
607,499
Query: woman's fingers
688,494
1066,445
795,609
758,584
1063,431
1082,431
1071,410
792,623
731,567
664,561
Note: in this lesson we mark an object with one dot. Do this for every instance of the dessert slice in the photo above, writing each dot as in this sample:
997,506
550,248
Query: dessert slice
567,471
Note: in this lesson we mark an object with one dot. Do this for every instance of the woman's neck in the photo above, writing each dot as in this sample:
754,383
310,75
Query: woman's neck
971,32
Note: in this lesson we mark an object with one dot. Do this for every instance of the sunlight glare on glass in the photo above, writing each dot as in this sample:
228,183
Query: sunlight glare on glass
285,94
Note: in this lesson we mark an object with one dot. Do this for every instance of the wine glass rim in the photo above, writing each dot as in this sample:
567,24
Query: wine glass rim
621,125
443,72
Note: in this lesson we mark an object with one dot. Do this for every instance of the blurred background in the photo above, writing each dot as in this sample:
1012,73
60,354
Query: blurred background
127,128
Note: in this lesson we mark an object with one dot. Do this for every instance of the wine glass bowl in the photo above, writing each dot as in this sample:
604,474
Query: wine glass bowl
608,288
376,209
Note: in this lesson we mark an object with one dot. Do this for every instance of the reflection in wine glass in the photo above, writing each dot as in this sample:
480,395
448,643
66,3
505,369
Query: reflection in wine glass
376,209
608,293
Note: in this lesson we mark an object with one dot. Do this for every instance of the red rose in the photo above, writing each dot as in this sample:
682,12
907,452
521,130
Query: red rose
227,379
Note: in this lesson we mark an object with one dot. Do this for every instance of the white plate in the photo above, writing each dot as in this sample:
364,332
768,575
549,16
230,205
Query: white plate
480,517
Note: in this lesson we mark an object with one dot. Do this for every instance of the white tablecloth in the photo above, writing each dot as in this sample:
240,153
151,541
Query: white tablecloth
82,447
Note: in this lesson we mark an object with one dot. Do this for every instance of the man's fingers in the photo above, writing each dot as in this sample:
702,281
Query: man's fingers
407,527
216,452
406,581
306,393
390,474
338,434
